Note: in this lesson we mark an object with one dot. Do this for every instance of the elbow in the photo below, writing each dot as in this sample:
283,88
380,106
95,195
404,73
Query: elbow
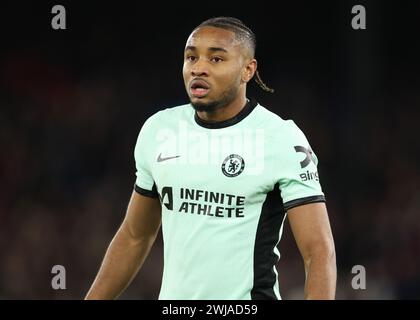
136,238
330,258
328,253
324,253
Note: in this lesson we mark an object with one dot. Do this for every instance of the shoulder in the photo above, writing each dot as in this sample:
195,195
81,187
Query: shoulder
279,128
165,115
157,123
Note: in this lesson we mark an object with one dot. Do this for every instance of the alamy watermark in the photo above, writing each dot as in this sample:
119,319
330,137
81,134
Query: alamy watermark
359,20
59,280
228,146
59,20
358,282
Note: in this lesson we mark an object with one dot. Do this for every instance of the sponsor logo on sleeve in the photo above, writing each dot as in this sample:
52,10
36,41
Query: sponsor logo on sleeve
309,156
308,175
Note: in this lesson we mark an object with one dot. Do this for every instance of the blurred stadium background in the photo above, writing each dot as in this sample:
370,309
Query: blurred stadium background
72,103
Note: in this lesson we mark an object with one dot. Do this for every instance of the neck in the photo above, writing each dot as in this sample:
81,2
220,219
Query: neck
226,112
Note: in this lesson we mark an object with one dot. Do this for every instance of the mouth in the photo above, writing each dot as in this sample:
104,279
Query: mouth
199,88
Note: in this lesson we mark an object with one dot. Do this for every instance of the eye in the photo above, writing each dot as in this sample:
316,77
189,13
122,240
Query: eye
216,59
190,58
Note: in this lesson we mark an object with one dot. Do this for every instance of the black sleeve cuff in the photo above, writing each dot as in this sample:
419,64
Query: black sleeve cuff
299,202
148,193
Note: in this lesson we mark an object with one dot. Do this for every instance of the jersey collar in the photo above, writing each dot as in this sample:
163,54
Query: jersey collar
250,105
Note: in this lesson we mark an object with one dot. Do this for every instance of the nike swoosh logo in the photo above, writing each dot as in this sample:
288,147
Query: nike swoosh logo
160,159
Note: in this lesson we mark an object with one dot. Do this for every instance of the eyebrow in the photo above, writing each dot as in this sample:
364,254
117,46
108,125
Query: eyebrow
213,49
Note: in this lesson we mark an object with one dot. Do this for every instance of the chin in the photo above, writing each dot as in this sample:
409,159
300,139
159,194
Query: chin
202,105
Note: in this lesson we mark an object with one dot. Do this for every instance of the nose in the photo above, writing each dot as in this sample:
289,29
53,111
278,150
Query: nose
199,68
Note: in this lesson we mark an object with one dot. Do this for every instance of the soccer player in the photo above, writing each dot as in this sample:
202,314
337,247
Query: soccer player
221,174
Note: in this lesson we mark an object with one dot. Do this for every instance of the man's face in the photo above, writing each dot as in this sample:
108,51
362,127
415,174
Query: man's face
213,62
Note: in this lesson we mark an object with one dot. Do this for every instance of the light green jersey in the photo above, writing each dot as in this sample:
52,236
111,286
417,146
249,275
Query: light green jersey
225,189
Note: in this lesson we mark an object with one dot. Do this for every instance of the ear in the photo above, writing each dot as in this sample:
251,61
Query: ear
249,70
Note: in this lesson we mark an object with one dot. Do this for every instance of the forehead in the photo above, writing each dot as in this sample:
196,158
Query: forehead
212,37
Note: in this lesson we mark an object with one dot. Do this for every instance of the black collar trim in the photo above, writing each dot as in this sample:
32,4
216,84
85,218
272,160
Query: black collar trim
250,105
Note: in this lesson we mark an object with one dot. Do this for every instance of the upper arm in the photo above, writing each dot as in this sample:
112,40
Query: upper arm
297,171
311,228
302,194
143,217
143,153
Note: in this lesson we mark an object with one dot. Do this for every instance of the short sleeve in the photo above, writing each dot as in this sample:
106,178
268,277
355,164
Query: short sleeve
145,184
299,177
